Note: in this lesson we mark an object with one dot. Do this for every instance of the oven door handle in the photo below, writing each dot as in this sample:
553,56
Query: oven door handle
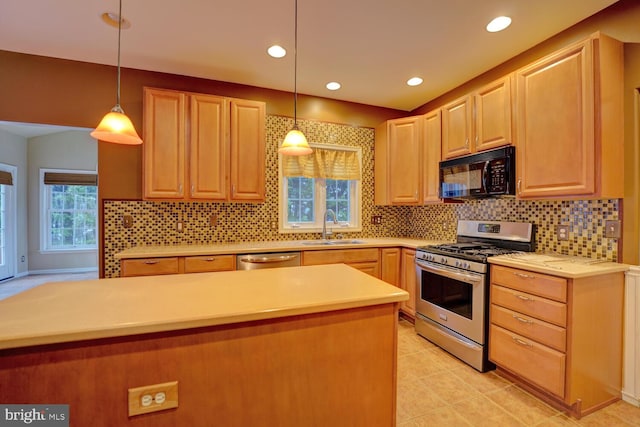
468,278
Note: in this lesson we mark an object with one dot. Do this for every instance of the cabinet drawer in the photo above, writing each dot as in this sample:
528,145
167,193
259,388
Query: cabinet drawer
149,266
543,332
200,264
530,282
536,363
531,305
337,256
370,268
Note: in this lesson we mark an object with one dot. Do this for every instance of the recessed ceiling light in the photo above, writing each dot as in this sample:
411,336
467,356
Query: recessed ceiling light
111,19
414,81
333,85
498,24
277,51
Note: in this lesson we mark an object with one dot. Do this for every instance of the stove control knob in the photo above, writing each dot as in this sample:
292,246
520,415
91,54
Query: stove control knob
443,260
465,265
459,264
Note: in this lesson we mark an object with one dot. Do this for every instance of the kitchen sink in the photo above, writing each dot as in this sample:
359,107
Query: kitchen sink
333,242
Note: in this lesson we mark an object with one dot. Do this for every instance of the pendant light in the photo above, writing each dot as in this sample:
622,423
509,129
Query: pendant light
115,126
295,143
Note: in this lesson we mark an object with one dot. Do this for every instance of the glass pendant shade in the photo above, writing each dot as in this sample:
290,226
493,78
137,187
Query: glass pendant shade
295,144
117,128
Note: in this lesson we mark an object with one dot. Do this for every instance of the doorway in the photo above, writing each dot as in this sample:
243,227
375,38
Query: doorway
8,214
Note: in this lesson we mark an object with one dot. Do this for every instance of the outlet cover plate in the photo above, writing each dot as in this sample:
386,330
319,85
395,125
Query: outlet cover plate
562,232
152,398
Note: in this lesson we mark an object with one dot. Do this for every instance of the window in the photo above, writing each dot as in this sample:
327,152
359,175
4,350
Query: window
69,218
311,185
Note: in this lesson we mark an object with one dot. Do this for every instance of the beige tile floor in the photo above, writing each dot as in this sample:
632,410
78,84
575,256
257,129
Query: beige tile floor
436,389
14,286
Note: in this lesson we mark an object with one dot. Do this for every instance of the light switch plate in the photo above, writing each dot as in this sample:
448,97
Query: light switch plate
127,221
612,229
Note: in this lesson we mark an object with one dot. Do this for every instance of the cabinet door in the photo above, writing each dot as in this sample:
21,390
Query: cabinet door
247,133
404,172
555,124
164,144
390,265
209,155
431,147
493,106
408,280
456,128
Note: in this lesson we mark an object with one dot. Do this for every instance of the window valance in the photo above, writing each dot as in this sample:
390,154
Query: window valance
323,163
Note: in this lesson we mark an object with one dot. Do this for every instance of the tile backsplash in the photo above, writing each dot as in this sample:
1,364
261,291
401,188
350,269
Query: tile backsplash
154,222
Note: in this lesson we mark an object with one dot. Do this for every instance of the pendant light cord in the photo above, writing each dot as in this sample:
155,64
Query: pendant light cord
295,68
119,36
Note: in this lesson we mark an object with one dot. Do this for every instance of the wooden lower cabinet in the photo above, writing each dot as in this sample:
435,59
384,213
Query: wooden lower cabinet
365,259
390,265
176,265
408,281
559,338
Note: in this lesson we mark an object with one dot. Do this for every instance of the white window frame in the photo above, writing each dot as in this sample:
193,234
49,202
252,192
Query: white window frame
44,216
320,201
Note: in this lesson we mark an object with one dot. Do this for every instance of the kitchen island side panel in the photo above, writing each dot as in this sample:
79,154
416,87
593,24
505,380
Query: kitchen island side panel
334,368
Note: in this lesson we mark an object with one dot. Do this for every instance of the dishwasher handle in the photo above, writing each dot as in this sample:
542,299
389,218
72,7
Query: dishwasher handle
268,259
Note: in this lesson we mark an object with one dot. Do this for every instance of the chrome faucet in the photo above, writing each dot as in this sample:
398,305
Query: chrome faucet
324,222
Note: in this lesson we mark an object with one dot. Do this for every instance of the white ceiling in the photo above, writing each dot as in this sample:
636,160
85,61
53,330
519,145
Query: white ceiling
371,47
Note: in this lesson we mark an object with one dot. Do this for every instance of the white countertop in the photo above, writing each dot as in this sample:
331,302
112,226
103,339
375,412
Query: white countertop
266,246
72,311
571,267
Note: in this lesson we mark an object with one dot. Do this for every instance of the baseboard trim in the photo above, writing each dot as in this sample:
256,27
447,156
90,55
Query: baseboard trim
630,399
65,270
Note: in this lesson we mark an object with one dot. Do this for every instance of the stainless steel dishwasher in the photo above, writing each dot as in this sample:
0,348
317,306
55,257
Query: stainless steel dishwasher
273,260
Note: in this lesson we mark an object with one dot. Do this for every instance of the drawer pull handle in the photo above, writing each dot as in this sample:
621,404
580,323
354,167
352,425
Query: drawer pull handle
151,261
523,320
525,276
521,342
210,259
524,298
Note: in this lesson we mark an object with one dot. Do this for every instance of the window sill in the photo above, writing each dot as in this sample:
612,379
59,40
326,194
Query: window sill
67,251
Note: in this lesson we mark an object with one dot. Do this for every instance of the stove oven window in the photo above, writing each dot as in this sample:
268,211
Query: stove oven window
449,294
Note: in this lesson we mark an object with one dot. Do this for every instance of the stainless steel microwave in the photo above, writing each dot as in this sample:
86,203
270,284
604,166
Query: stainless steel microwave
485,174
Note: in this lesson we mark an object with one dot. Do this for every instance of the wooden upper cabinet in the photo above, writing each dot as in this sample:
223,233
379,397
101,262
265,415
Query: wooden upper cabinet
431,150
209,154
247,150
398,169
219,155
479,121
493,115
569,122
164,144
407,152
457,122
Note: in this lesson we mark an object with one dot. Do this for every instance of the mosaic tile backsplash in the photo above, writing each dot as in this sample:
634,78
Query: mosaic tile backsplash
155,221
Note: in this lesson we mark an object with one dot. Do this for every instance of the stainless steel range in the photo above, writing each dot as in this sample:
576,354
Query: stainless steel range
452,296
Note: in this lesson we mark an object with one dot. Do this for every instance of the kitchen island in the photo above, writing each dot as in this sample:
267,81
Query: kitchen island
311,345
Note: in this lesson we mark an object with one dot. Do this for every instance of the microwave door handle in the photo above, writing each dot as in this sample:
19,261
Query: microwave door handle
485,176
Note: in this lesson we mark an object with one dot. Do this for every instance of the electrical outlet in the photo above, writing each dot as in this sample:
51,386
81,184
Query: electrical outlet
180,226
152,398
213,220
127,221
376,219
562,232
612,229
274,225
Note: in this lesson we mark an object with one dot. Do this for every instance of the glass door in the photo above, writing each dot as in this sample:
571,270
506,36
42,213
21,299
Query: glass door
7,225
